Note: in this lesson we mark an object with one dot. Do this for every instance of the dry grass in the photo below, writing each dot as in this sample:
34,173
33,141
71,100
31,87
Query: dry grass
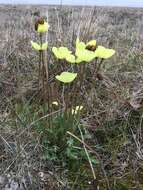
114,105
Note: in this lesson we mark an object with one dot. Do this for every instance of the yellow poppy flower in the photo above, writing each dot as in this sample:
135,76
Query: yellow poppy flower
66,77
91,43
38,47
104,53
43,27
55,103
77,109
82,52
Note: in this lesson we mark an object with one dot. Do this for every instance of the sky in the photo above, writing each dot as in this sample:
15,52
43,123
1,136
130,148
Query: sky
129,3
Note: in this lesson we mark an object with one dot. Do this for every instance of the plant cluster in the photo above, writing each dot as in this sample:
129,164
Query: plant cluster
70,81
83,53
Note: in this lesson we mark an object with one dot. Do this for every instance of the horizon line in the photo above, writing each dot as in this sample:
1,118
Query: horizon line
73,5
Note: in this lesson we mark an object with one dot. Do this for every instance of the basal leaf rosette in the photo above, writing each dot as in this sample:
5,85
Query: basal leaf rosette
66,77
104,53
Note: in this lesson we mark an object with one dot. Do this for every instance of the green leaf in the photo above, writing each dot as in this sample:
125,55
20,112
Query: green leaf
66,77
44,46
104,53
36,46
94,161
